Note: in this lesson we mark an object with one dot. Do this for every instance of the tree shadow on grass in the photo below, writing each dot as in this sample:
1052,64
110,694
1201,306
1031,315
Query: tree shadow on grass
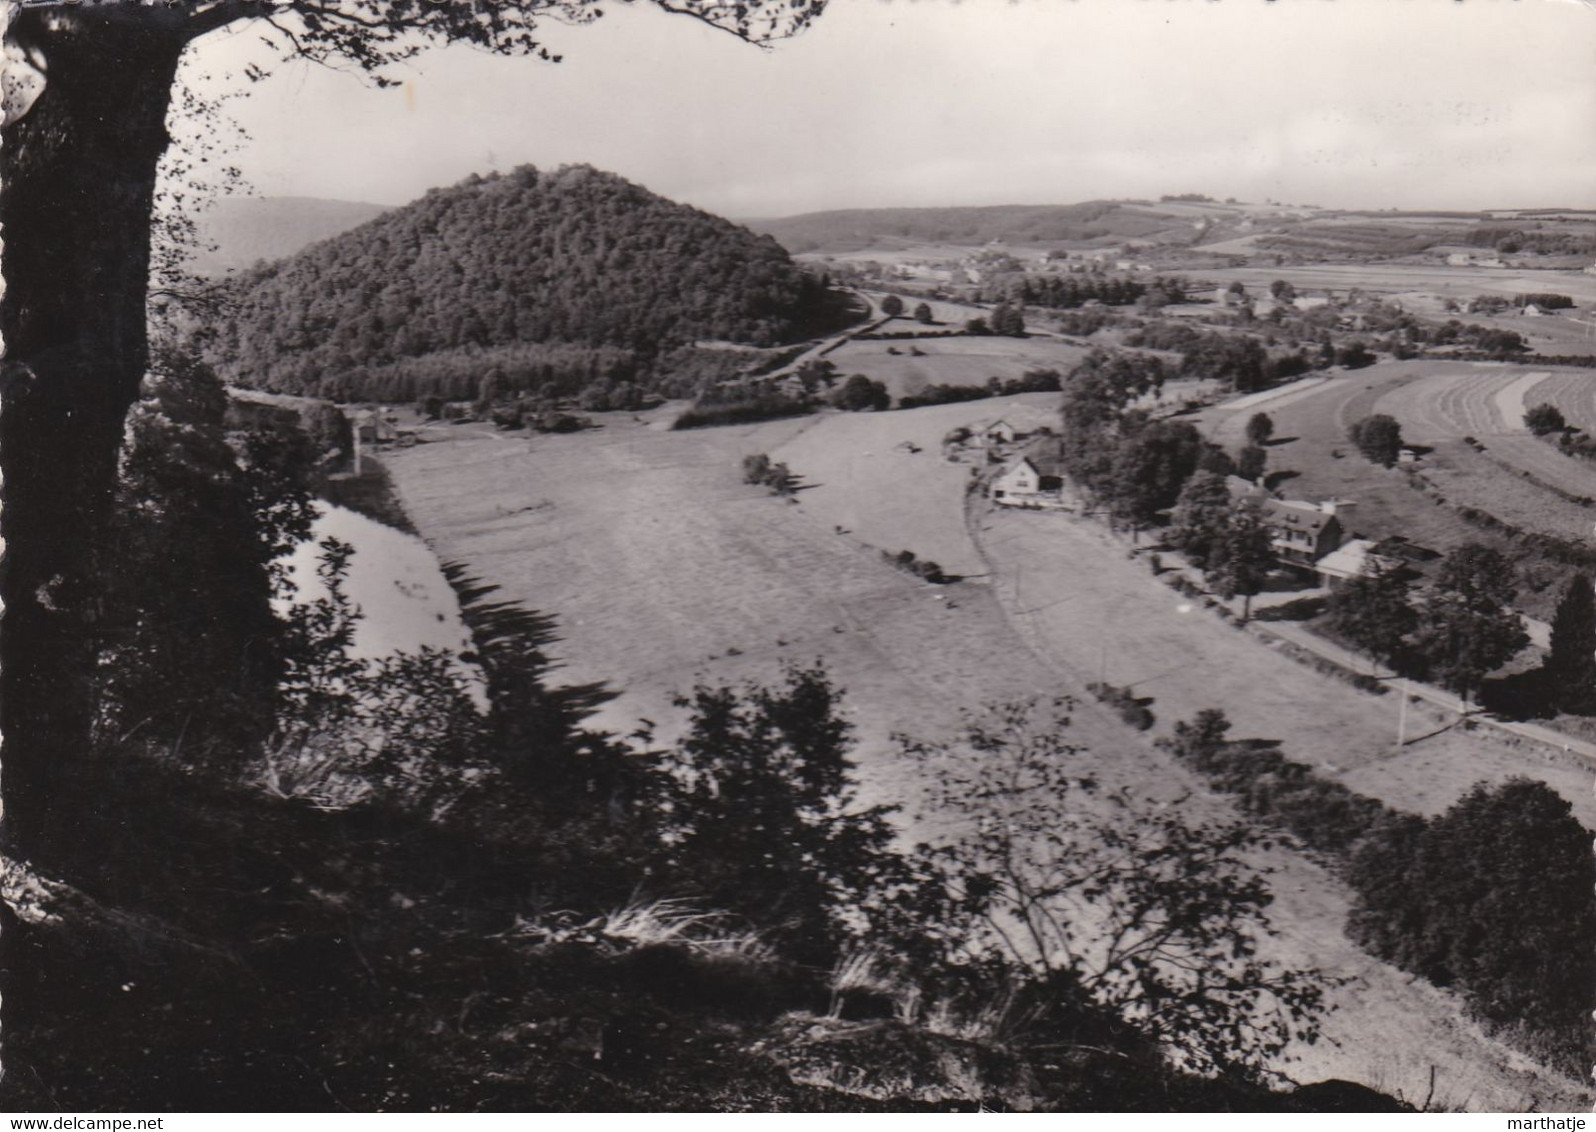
1275,479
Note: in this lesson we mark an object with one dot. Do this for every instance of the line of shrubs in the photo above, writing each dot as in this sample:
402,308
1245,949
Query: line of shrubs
1132,710
767,407
1327,816
924,568
1032,381
895,335
758,469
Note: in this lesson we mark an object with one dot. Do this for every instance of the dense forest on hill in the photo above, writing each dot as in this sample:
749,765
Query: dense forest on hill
565,276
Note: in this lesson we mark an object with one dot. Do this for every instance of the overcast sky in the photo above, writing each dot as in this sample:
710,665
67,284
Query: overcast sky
1354,103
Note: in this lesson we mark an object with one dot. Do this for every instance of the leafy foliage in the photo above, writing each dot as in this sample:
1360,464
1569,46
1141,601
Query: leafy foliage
1327,816
1468,627
190,652
1374,612
1240,559
1544,418
1201,516
1494,898
860,393
1251,462
1378,437
1151,463
764,819
1008,319
1570,667
1153,919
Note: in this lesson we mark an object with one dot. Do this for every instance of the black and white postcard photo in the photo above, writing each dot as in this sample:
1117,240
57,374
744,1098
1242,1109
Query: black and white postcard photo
797,556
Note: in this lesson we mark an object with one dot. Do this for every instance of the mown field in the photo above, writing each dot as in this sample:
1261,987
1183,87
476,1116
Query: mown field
1461,283
952,361
663,568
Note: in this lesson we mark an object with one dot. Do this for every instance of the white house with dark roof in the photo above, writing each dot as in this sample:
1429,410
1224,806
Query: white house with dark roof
1035,478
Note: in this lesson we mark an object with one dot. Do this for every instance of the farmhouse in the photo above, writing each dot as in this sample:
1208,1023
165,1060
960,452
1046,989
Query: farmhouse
988,434
1302,532
1032,479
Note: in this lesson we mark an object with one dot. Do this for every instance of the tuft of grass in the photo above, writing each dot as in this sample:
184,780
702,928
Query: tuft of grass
656,923
866,970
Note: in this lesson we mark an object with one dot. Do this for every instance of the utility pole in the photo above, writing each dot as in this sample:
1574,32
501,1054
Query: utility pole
1402,713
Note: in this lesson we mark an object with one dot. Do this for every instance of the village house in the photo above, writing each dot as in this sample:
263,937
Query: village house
1302,532
1034,479
986,435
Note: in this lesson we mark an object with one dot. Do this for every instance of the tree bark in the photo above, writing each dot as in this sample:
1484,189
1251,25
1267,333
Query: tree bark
77,186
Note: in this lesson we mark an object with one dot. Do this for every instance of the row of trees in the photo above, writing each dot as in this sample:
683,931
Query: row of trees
1240,361
1064,292
1132,464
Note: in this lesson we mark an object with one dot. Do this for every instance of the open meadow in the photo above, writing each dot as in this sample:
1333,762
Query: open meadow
663,568
951,361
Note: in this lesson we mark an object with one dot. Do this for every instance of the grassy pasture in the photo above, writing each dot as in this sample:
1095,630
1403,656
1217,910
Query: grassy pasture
946,315
663,568
952,361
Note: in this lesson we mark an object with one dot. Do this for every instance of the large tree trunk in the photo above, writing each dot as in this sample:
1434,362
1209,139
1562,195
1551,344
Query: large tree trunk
77,181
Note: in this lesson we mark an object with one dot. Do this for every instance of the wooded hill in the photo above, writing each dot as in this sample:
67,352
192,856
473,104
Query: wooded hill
559,278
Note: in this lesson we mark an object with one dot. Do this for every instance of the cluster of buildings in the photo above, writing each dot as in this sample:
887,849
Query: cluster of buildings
1310,539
